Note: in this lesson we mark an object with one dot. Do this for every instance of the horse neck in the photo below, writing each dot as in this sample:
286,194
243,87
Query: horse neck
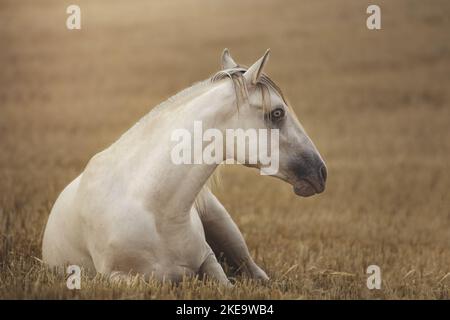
168,188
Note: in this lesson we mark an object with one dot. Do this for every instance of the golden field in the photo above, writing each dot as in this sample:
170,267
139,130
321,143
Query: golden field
376,104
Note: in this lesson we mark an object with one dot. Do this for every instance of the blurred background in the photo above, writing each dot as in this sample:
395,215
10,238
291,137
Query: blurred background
376,104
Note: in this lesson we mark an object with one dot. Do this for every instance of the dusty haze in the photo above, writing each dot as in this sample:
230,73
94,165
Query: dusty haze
376,104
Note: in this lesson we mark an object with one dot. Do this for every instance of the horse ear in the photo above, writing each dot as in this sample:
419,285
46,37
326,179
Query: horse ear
253,73
227,60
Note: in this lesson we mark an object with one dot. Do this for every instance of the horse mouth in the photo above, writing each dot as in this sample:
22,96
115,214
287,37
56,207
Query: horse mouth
306,188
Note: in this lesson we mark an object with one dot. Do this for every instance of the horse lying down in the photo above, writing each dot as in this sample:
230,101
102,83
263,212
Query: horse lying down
135,210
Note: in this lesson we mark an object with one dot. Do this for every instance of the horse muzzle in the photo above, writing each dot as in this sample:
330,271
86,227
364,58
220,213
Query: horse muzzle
311,184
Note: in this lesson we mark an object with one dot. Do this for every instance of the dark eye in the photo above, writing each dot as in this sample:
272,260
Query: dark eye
277,114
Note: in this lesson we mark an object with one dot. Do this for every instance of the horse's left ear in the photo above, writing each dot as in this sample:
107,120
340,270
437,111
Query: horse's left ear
227,60
254,72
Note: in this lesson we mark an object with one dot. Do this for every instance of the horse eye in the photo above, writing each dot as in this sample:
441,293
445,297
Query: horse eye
277,114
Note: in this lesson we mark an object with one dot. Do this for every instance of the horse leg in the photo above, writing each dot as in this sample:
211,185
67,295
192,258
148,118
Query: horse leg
120,277
213,270
223,236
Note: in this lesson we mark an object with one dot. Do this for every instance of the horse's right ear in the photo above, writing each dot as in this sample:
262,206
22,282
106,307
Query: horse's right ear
227,60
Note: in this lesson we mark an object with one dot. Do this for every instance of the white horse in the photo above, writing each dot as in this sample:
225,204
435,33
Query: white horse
134,210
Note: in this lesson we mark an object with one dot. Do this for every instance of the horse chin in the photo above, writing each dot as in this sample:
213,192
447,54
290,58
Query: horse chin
304,189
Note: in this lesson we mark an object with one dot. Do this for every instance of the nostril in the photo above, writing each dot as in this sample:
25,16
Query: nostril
323,173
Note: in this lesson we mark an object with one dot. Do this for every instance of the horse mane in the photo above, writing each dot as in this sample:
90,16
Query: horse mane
236,76
240,88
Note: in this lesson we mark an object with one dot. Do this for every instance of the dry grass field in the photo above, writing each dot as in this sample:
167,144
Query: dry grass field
376,104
